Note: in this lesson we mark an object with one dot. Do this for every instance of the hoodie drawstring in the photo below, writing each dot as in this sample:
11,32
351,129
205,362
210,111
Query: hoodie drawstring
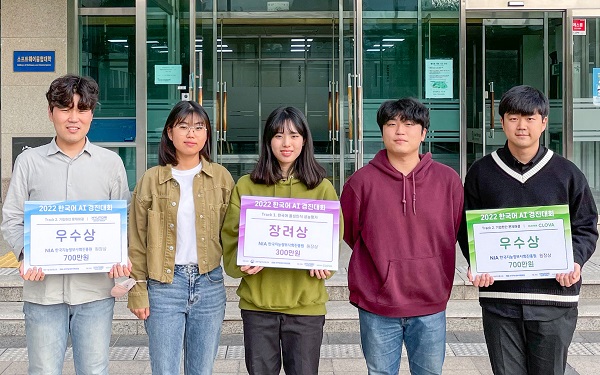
414,200
404,195
414,194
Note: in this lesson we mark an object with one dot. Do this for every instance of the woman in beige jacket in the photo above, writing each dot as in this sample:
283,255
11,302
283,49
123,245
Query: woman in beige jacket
176,214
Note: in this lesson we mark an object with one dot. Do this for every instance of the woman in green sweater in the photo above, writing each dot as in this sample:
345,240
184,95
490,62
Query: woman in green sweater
283,310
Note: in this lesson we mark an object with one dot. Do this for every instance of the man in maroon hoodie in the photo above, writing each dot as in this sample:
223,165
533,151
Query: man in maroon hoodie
402,213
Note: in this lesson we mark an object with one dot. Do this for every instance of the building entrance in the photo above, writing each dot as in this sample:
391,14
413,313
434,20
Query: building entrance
271,63
241,65
505,49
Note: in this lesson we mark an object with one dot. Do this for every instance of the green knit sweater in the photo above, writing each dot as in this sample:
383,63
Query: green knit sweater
281,290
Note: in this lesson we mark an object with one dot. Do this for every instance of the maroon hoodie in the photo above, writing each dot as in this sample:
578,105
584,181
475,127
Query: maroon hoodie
402,231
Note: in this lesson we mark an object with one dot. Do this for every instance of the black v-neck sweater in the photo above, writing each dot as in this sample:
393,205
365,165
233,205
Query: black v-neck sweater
551,180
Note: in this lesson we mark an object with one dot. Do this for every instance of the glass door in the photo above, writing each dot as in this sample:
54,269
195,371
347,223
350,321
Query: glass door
586,97
263,64
168,65
506,52
241,64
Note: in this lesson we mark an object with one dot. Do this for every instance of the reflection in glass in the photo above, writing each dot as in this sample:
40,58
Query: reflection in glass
390,5
106,3
513,55
127,154
586,132
267,67
394,54
107,54
276,6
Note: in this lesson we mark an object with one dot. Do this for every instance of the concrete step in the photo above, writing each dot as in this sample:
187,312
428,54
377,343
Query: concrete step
461,315
11,287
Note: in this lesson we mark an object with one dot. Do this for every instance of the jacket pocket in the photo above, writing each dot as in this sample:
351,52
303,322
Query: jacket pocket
217,216
414,281
155,229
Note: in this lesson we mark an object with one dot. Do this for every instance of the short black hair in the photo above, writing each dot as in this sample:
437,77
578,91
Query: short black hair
524,100
166,149
306,168
61,91
406,109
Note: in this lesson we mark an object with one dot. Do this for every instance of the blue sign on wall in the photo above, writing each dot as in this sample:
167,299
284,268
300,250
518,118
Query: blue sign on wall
34,61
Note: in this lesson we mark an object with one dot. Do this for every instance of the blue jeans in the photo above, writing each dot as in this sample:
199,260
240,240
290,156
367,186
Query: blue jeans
47,328
187,316
382,337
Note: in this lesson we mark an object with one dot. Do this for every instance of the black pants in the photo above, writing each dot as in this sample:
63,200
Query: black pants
528,347
269,336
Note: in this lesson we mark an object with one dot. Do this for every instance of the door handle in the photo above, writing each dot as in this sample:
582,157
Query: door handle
492,110
359,111
336,111
329,111
224,111
218,111
350,122
199,76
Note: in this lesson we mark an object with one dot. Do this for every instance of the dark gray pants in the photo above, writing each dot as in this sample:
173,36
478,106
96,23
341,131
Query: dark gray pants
528,347
269,336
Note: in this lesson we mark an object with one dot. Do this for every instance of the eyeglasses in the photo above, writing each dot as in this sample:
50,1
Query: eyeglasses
184,128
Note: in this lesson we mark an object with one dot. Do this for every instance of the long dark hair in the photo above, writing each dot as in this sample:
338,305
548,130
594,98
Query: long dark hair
181,110
267,171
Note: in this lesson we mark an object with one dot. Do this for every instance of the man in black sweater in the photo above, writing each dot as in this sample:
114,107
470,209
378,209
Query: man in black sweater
529,324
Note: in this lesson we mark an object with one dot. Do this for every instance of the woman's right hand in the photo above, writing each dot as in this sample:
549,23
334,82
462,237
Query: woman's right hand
251,270
142,313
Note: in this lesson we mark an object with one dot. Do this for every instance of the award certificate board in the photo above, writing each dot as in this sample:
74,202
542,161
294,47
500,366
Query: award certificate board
520,243
289,233
75,236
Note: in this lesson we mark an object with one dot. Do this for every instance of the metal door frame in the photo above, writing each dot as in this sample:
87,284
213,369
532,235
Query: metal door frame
508,22
337,158
355,15
497,7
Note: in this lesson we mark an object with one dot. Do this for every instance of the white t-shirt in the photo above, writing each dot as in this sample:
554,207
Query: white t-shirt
186,217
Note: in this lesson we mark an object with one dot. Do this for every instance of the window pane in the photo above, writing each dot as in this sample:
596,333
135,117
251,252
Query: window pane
106,3
395,65
107,54
276,6
586,104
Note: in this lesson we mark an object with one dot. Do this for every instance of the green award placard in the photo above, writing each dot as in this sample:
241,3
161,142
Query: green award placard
520,243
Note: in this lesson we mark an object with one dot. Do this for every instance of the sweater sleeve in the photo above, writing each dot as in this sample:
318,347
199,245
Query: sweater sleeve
229,235
350,204
584,221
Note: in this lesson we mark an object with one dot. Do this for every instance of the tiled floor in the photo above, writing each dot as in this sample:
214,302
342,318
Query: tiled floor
340,354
